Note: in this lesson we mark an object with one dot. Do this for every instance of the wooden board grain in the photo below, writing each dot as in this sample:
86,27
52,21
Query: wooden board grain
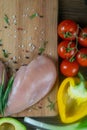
21,37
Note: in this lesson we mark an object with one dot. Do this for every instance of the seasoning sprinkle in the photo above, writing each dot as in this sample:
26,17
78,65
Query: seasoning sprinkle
35,28
27,51
15,36
27,57
16,69
29,110
23,64
13,16
22,46
5,27
14,57
20,29
50,53
24,31
6,19
40,107
19,57
15,21
30,44
15,62
31,47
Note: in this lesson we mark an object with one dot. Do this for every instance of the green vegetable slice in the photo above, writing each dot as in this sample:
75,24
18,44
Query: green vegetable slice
81,125
8,123
6,94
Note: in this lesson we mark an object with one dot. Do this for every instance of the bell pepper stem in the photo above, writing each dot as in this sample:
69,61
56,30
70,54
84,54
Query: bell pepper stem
79,92
81,76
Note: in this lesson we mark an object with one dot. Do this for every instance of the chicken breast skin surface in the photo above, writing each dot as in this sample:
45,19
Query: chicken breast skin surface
31,84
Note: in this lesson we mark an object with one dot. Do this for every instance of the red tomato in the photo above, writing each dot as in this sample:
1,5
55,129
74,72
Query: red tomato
66,49
67,29
82,57
83,37
69,68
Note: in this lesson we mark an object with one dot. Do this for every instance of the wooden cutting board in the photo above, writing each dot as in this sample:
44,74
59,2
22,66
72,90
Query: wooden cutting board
25,26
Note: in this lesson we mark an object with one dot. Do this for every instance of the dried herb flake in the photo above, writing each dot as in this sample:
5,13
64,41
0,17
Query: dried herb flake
0,42
35,15
42,48
5,53
51,104
6,19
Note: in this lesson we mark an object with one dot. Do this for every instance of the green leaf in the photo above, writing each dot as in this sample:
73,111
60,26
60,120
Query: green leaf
5,53
2,92
7,92
84,56
67,34
0,42
42,48
6,19
51,104
84,35
82,124
35,15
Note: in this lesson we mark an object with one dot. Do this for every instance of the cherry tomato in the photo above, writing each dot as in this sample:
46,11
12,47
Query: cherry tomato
66,49
81,57
69,68
83,37
67,29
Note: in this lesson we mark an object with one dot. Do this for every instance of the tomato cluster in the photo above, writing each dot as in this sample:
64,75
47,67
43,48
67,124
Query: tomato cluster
73,47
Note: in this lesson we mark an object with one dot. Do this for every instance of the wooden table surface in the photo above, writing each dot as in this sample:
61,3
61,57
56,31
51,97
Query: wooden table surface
22,39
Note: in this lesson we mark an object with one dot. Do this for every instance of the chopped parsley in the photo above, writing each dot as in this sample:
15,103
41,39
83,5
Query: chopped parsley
42,48
51,104
35,15
0,42
5,53
6,19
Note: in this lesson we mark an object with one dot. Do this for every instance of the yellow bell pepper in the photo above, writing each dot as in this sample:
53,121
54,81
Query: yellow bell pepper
72,99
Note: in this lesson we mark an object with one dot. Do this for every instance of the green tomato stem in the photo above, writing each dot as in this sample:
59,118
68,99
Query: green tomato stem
81,77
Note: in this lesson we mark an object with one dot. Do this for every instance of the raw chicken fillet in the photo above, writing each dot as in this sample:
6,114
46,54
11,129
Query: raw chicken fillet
31,84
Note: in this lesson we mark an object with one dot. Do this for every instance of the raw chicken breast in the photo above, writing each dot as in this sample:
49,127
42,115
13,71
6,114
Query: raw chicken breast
31,84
